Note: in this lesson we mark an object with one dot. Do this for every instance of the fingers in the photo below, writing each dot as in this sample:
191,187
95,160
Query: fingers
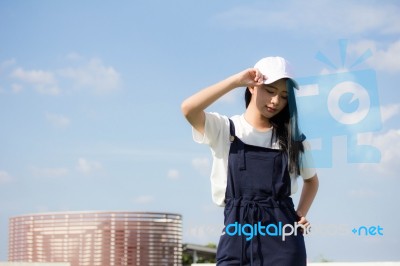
306,224
302,220
250,77
259,77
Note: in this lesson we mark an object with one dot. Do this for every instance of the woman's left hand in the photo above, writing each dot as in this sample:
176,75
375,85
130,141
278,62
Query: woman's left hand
306,224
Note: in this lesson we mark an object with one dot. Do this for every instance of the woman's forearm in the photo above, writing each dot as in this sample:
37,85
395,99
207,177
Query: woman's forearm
194,106
308,194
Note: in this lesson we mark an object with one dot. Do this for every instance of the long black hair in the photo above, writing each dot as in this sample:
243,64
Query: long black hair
286,128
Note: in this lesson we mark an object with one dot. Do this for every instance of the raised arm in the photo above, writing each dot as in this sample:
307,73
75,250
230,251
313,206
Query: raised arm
194,106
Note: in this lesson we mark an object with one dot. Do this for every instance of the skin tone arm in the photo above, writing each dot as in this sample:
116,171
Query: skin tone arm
194,106
310,188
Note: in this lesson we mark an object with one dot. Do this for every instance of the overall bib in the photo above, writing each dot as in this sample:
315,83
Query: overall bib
258,192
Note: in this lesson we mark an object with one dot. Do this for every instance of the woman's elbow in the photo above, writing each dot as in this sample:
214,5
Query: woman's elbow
185,108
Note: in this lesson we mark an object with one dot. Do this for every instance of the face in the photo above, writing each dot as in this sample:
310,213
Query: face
270,99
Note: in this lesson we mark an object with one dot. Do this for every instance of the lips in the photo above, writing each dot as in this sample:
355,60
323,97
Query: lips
272,110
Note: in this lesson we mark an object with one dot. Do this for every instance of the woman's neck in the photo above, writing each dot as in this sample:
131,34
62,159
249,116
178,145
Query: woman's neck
256,120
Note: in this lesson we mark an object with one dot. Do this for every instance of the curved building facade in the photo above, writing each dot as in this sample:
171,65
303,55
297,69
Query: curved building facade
97,238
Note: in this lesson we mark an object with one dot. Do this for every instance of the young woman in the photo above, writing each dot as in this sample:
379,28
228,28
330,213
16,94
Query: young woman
257,157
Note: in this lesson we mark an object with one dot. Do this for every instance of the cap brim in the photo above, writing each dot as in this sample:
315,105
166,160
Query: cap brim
270,81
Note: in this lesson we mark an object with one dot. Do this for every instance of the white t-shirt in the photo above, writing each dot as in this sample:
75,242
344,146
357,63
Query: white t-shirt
216,135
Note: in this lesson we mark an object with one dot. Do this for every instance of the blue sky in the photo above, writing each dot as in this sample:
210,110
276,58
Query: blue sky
90,97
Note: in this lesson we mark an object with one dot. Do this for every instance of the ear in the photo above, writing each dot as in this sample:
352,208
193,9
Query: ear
251,89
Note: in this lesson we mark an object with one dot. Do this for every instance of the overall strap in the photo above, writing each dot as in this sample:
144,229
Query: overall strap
231,130
239,144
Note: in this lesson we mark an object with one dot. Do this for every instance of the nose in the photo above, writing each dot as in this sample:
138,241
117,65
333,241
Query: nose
275,100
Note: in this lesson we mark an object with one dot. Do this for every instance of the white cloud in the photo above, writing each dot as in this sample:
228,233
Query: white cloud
389,111
389,145
34,76
55,172
383,57
93,75
388,59
44,82
59,121
316,17
173,174
87,166
202,165
90,74
5,177
144,199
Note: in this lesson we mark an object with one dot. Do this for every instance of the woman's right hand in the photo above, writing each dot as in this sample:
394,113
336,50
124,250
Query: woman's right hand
249,78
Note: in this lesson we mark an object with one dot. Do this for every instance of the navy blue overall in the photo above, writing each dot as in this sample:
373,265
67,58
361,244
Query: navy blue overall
258,190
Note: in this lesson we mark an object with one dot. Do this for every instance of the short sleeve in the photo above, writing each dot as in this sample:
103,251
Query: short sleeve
215,125
307,168
216,135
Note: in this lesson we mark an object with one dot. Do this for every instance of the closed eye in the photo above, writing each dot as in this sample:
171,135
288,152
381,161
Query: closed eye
273,92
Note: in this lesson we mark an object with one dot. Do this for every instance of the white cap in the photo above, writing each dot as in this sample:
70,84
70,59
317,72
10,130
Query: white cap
275,68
